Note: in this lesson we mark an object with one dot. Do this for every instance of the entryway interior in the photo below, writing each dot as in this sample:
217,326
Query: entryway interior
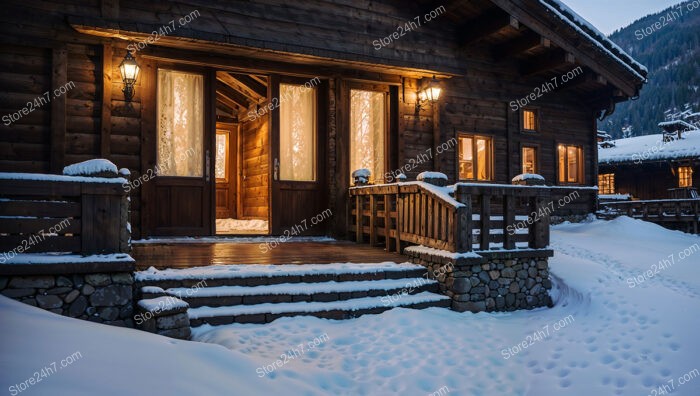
241,154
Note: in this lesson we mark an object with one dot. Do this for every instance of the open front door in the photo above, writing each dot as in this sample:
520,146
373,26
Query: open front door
299,202
181,200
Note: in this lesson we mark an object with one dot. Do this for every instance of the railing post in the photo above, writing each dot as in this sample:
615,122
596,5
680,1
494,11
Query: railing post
508,219
399,219
463,235
485,222
539,230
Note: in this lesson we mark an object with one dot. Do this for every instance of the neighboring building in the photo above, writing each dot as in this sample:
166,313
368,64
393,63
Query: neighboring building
660,166
217,112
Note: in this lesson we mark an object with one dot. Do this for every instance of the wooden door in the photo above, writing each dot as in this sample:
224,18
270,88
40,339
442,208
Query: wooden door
226,171
298,189
180,202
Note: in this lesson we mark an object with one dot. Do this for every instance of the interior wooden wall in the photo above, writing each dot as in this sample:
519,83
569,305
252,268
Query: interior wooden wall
256,152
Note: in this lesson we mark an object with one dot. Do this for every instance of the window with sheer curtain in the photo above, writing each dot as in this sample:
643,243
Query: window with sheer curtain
297,133
475,158
180,123
367,132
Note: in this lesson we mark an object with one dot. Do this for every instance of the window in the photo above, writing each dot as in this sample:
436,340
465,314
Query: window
221,168
368,123
606,183
530,120
685,176
297,133
475,158
529,156
570,164
180,123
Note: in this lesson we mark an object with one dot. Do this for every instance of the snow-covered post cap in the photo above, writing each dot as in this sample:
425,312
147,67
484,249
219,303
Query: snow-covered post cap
98,167
434,178
528,179
400,178
361,176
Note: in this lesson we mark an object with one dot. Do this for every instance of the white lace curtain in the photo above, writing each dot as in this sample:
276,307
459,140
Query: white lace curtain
180,123
297,133
367,131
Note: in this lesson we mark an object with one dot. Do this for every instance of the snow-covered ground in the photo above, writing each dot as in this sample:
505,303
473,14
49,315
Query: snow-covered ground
625,322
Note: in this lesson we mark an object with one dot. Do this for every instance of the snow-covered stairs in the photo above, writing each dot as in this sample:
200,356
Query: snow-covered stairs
226,294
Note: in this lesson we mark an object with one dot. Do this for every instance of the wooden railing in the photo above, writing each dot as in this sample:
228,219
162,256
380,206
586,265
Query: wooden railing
477,216
50,213
657,211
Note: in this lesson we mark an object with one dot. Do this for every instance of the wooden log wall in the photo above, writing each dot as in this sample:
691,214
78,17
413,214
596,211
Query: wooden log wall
256,153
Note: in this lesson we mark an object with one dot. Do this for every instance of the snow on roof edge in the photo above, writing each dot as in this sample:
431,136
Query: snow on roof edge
581,25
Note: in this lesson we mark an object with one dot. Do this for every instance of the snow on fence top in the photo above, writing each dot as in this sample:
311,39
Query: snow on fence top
680,123
60,178
526,176
90,167
589,31
651,148
431,175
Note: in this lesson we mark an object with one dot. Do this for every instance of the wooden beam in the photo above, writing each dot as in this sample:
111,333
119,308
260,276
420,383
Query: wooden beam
261,79
251,83
227,79
484,26
233,95
59,78
546,62
528,41
106,119
228,102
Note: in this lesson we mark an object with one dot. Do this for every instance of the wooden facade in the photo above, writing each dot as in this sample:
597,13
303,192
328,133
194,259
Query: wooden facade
485,53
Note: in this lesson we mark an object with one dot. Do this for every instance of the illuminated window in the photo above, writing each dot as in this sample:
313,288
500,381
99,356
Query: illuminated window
530,121
475,158
685,176
606,183
368,125
570,164
180,123
297,133
529,156
221,168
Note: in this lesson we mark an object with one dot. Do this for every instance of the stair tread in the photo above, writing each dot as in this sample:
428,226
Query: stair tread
300,288
264,270
294,307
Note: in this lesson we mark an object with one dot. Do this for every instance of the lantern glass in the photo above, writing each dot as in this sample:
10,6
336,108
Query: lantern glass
433,91
129,69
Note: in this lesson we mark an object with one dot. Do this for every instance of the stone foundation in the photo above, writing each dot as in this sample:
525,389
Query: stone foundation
102,297
490,281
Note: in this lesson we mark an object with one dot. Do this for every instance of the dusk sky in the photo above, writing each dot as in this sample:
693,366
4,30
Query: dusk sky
609,15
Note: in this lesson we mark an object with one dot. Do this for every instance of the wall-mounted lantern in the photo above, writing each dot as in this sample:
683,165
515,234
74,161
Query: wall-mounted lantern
429,92
129,70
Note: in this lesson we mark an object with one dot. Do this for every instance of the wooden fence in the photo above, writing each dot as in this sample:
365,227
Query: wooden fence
478,217
662,211
49,213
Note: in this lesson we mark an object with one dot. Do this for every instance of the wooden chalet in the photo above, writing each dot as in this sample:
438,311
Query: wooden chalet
655,176
262,110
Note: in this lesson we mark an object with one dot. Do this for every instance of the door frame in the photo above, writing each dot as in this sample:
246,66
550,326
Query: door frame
321,182
149,149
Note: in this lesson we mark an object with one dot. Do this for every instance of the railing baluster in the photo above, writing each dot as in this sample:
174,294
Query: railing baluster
372,219
387,222
358,219
422,214
508,220
485,221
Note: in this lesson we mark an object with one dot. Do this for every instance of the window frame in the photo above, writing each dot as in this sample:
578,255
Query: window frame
316,118
610,183
489,160
536,111
535,147
581,169
384,89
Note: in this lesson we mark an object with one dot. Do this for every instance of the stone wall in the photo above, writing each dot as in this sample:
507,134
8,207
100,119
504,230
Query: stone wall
102,297
491,281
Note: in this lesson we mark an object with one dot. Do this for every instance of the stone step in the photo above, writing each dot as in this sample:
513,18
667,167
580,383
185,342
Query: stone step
260,275
346,309
297,292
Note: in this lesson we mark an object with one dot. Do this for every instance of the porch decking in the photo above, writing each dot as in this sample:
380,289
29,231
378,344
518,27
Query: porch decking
195,254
